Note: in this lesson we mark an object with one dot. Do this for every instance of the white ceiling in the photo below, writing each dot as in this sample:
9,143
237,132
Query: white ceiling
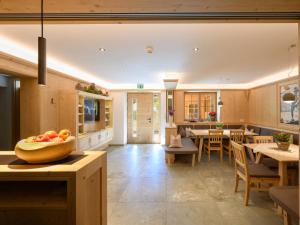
231,54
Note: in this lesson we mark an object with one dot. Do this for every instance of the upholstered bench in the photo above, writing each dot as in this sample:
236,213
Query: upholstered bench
189,148
287,198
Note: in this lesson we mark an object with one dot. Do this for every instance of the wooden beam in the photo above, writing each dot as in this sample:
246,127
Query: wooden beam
154,6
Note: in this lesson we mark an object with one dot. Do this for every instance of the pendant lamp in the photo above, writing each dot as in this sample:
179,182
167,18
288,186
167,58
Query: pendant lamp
220,103
42,64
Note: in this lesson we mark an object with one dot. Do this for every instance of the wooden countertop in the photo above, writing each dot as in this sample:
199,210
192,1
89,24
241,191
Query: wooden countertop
9,163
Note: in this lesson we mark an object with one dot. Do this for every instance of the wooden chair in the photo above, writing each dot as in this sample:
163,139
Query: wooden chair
215,143
236,136
251,173
262,139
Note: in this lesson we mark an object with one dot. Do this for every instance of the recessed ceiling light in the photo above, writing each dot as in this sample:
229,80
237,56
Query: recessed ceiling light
196,49
149,49
102,49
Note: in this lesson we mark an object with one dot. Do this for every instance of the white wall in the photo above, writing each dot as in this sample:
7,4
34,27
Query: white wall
119,117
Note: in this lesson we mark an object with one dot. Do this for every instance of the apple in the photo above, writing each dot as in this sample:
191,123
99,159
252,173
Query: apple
30,139
51,134
57,140
64,134
42,138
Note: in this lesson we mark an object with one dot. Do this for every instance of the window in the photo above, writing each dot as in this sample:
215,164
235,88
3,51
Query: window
134,117
197,105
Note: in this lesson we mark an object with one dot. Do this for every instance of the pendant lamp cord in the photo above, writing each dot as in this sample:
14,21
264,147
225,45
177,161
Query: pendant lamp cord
42,17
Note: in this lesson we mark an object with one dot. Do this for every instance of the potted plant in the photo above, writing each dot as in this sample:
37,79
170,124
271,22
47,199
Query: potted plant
212,116
282,140
171,116
219,126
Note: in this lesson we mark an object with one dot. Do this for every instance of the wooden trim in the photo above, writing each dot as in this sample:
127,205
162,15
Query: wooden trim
151,16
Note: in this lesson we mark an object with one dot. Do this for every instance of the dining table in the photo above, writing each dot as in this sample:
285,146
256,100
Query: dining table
201,134
283,157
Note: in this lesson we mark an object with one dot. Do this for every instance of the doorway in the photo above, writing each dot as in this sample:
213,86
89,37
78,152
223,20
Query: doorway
143,118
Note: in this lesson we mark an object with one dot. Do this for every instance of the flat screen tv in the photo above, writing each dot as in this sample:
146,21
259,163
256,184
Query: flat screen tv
91,110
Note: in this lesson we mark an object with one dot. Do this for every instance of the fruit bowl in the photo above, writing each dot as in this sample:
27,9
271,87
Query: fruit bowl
44,152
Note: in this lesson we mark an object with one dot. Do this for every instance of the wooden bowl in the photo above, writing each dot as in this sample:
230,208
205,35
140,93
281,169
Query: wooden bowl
44,152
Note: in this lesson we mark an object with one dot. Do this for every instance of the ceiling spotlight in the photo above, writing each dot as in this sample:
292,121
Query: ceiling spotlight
149,49
196,49
102,49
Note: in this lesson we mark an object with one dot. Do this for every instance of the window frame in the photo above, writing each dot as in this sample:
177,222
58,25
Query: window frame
200,107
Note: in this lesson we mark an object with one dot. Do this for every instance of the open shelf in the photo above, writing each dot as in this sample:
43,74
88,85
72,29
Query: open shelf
33,194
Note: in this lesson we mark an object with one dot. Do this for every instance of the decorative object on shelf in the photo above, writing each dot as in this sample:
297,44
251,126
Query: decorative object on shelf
219,126
289,102
79,87
212,116
45,148
91,89
171,117
282,141
42,64
220,102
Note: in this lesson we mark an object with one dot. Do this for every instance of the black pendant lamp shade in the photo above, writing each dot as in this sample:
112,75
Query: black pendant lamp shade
220,103
42,63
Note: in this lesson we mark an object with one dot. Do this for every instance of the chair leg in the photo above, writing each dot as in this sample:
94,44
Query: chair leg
247,192
286,218
221,155
193,160
237,179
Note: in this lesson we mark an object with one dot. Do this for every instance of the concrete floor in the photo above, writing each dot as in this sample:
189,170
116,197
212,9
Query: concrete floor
142,190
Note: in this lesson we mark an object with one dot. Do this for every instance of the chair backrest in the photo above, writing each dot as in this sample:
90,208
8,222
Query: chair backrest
262,139
240,157
215,136
237,136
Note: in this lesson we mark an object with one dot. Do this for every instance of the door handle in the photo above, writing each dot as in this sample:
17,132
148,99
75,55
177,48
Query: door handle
149,120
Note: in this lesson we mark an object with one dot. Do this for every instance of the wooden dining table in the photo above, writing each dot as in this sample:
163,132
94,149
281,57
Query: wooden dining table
201,134
283,157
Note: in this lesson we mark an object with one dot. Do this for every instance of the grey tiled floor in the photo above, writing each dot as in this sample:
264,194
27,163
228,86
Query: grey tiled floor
142,190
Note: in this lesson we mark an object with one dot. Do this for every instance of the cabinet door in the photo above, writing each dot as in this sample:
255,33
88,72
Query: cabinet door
84,143
95,139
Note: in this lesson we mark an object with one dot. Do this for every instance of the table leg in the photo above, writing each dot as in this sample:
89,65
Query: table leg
251,154
282,171
200,148
259,158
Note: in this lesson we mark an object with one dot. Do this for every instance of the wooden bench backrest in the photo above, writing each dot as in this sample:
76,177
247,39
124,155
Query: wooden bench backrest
262,139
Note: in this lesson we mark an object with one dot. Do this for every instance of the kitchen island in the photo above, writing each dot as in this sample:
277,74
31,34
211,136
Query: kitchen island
72,191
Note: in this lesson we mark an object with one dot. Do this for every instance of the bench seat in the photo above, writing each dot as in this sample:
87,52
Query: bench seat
188,148
287,198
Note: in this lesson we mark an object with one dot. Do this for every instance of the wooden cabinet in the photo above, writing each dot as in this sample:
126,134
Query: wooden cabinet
95,140
73,192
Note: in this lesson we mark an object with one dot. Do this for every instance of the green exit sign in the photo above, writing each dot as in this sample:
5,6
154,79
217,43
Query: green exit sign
140,86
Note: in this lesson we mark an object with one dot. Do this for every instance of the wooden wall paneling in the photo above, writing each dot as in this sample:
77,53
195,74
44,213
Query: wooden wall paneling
235,108
179,106
29,107
136,6
67,110
263,106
